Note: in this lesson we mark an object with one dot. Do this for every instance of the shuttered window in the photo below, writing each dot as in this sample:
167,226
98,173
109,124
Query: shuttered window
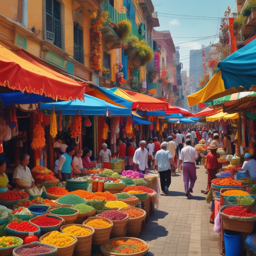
78,44
53,22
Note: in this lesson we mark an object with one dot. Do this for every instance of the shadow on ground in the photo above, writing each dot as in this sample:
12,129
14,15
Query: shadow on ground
152,231
198,198
158,215
175,193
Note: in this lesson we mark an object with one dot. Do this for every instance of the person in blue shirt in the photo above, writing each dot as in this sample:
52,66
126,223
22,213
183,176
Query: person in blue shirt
249,167
163,163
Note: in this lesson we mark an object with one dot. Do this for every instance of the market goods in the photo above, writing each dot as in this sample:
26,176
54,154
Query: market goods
106,195
133,212
63,211
76,128
239,211
235,192
53,125
123,196
224,174
140,182
135,192
253,190
30,239
22,211
82,193
71,199
13,195
46,221
26,204
116,204
227,182
58,239
116,175
5,213
57,191
106,173
98,223
34,250
8,241
139,188
38,141
83,208
126,246
248,180
131,174
78,179
49,202
76,230
42,170
246,200
23,226
113,215
96,204
38,209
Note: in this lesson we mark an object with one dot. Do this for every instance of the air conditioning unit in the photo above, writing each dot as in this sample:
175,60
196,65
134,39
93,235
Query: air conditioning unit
49,36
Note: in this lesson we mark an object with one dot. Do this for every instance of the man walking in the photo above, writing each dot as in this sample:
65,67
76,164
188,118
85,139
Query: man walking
163,162
140,159
157,145
188,156
171,146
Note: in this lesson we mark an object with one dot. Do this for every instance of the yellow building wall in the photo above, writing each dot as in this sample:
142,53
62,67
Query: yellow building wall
9,8
87,43
34,48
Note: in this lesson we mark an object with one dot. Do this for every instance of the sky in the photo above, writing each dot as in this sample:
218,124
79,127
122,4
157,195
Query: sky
170,15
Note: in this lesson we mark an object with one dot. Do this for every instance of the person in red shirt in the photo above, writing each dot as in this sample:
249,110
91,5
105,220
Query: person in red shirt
212,163
130,154
87,163
198,135
122,150
157,145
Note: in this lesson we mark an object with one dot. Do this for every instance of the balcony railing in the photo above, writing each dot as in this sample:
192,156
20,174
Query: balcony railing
113,14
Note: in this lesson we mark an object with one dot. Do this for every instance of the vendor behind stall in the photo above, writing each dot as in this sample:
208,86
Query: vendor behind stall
105,157
22,175
87,163
3,177
249,165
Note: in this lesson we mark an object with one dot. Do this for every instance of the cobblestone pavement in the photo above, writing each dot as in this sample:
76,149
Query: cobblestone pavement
180,226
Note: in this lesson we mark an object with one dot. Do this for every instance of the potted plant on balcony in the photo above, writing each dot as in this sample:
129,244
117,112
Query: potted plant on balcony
124,28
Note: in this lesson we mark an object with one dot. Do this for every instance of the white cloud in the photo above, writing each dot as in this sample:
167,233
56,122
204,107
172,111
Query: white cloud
194,46
174,22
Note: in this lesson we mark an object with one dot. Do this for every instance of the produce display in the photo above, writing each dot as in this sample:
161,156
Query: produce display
136,192
82,193
8,241
77,231
253,190
96,204
53,125
115,175
116,204
239,211
98,223
76,127
83,208
5,213
227,182
248,180
224,174
13,195
45,221
106,173
123,196
113,215
133,212
71,200
26,204
78,179
49,202
58,239
34,250
125,246
38,141
38,209
246,200
23,226
42,170
140,182
235,192
131,174
139,188
105,195
57,191
22,211
63,211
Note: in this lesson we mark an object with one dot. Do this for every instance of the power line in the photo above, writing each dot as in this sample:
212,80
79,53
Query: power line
183,15
186,18
203,38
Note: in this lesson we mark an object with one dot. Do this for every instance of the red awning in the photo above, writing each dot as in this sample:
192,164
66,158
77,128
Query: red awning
20,74
206,112
173,109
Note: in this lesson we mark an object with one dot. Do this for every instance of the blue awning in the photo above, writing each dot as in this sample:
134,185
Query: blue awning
186,121
140,120
23,98
91,106
196,119
174,116
172,121
155,113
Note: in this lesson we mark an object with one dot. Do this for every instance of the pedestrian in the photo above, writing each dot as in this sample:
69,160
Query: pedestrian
157,144
140,159
150,148
105,157
216,137
210,139
178,143
194,137
198,135
163,164
205,136
171,146
212,163
227,144
188,156
121,150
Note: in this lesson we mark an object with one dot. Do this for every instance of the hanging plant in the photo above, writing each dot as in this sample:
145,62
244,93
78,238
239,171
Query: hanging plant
105,71
124,28
76,127
106,20
251,6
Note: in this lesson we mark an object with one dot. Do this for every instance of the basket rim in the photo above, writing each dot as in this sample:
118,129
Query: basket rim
96,217
77,212
116,221
85,212
23,232
80,225
48,215
14,246
248,219
12,201
126,237
144,212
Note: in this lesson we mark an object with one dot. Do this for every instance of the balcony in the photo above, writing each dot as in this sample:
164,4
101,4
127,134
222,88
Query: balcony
250,24
92,5
113,14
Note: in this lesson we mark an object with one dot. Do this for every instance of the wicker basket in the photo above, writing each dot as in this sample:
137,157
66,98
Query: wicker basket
82,216
101,235
20,234
48,185
132,201
84,243
45,230
134,225
143,196
13,202
69,219
235,223
51,196
118,170
65,250
224,199
107,253
53,253
8,251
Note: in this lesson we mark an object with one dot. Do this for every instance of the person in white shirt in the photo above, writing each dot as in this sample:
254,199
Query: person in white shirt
77,161
140,159
22,175
205,136
193,137
210,138
249,165
150,147
179,143
105,157
188,156
163,163
171,146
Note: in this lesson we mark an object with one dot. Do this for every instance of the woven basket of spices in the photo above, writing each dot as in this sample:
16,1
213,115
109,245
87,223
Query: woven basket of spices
69,216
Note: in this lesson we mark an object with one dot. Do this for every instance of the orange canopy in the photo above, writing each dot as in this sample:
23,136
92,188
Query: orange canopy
20,74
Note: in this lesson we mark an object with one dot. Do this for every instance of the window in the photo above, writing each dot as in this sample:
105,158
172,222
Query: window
53,22
78,44
106,63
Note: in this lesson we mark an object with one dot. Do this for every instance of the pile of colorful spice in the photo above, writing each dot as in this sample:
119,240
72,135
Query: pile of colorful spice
131,174
45,221
8,241
83,208
82,193
123,196
98,223
58,191
113,215
49,202
133,212
226,182
235,192
136,192
22,211
58,239
63,211
77,230
125,246
97,204
26,204
139,188
34,250
71,200
13,195
23,226
140,182
246,200
116,204
106,195
239,211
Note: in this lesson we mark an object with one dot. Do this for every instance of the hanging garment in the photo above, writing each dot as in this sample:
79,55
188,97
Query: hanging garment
105,131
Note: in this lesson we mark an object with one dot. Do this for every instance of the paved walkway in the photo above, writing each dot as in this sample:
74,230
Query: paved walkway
180,227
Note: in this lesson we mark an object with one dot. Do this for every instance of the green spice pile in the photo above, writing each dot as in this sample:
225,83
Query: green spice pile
140,182
123,196
63,211
98,205
246,200
83,208
71,199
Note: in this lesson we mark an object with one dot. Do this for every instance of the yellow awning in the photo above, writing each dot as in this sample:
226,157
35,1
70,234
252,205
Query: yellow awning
231,116
124,95
221,115
213,90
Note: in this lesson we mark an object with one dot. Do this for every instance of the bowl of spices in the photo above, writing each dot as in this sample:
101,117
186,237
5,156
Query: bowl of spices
68,214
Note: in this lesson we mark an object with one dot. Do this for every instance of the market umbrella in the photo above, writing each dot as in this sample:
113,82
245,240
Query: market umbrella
186,121
222,115
236,73
137,119
205,112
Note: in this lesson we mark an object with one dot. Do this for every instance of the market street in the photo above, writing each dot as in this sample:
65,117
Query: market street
180,226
